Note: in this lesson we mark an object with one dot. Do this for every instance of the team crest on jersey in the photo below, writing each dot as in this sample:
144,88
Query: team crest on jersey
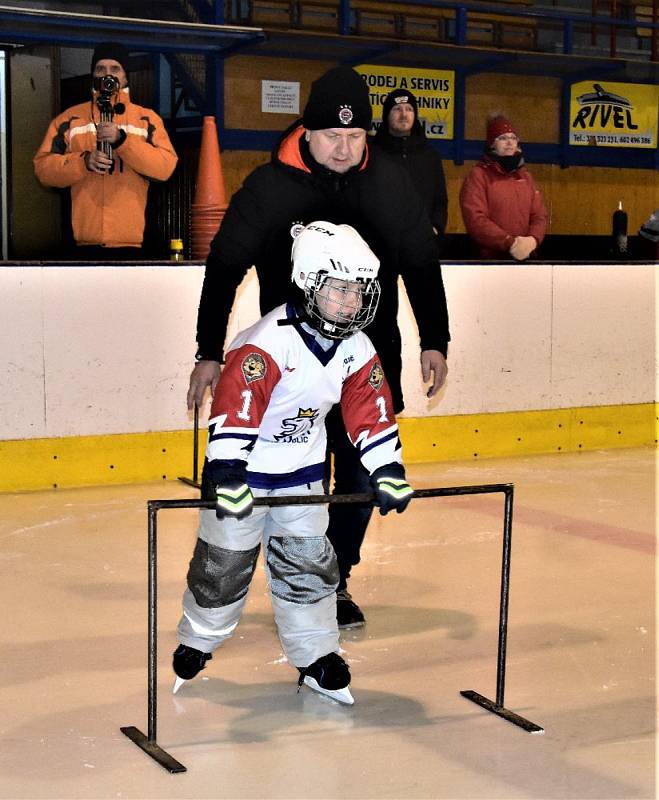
253,367
296,229
345,115
296,429
376,378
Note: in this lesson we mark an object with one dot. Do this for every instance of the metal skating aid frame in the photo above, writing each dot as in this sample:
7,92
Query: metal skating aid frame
149,743
194,481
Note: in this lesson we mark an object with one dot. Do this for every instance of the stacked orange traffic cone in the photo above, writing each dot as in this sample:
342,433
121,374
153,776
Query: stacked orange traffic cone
210,203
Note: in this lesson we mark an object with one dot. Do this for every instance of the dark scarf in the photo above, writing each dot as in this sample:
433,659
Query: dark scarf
507,163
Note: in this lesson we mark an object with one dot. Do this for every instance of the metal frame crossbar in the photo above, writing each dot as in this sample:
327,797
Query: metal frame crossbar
149,742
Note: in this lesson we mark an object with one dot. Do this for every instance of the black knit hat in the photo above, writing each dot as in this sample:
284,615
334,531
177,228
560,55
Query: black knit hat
396,97
338,99
114,50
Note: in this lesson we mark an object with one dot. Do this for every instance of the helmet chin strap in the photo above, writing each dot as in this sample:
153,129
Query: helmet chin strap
299,316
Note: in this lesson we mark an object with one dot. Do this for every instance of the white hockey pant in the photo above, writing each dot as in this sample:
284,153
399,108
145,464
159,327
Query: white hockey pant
301,569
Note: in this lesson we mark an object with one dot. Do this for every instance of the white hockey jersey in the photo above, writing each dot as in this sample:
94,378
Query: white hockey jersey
276,389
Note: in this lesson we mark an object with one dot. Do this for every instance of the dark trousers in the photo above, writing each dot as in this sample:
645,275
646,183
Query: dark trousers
347,522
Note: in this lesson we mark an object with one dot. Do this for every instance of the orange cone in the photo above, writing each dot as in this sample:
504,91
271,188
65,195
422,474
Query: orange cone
210,189
210,204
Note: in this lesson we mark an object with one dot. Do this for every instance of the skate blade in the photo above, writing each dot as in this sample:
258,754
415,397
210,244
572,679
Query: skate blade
177,684
342,695
350,626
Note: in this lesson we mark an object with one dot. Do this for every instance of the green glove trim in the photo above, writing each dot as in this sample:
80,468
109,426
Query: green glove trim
396,488
234,501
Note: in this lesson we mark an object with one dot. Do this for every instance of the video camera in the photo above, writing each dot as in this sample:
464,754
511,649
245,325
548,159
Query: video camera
106,86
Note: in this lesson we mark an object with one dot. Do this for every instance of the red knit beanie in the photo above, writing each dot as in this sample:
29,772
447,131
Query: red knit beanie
496,126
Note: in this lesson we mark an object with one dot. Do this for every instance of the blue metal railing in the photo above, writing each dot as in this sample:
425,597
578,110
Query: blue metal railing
463,14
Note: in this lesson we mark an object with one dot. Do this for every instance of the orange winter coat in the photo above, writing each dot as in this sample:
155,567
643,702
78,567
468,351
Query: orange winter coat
106,209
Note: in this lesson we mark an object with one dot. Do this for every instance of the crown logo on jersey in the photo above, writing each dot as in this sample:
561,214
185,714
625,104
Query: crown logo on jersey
296,430
345,115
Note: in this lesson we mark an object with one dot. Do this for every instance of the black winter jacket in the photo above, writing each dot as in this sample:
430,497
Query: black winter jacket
424,165
377,198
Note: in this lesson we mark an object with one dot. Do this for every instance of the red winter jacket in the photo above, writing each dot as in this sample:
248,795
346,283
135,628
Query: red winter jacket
497,206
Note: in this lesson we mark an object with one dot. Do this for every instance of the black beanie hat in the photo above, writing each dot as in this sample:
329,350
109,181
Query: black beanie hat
394,98
338,99
114,50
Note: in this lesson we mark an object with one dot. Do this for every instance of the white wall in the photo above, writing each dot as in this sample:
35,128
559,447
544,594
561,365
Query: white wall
98,350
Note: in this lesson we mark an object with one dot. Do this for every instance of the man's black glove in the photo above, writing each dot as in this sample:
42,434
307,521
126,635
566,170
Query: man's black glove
391,488
233,497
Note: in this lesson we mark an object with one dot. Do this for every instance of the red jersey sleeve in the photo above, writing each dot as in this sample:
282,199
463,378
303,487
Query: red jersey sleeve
240,401
368,414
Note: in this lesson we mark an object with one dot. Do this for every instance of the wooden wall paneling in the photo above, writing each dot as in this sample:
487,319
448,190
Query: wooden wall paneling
531,103
584,198
237,165
242,100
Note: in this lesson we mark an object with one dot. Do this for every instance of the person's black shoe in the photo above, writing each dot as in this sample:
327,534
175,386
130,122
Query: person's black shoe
328,675
189,662
348,613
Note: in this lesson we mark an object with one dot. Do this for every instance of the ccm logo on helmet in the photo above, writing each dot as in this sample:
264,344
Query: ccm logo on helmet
320,230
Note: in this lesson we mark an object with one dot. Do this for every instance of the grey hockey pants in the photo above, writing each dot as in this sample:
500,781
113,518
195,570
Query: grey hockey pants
301,569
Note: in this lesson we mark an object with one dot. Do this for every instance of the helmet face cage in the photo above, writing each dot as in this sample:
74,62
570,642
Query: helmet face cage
338,307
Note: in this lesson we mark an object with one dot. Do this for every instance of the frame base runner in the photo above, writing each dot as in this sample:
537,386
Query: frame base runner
153,749
500,711
190,482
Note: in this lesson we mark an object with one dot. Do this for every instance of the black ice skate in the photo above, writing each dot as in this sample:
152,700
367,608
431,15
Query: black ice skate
348,613
187,663
328,675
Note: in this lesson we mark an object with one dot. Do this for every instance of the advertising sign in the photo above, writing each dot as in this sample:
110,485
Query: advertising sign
613,114
434,90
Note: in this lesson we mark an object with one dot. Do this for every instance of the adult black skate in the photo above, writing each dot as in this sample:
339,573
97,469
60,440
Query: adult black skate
348,613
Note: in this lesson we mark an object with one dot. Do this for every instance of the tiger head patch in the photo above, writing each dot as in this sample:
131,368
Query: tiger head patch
376,378
253,367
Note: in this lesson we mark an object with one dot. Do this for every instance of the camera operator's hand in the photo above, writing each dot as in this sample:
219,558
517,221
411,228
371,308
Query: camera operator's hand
108,132
98,162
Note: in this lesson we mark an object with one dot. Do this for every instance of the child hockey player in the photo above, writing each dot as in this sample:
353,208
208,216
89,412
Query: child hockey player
267,438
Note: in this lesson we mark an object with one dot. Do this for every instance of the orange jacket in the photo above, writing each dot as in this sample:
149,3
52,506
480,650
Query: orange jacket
106,209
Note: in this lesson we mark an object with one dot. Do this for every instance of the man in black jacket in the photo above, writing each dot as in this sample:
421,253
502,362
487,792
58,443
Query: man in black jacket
402,136
323,169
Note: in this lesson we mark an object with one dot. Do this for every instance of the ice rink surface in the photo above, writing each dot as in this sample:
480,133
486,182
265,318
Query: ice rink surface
580,661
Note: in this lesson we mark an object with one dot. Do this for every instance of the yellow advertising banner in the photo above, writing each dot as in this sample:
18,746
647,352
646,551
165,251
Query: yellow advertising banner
613,114
434,90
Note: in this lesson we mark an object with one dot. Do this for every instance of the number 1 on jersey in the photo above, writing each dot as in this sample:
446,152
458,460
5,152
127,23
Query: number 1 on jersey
247,402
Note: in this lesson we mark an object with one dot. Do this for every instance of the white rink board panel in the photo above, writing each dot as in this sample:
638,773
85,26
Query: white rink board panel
89,350
118,340
500,319
604,335
22,354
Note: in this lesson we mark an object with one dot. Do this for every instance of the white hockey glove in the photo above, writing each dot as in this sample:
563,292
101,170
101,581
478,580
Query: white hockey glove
392,491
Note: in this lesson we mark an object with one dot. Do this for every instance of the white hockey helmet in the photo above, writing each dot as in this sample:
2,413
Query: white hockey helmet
337,272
